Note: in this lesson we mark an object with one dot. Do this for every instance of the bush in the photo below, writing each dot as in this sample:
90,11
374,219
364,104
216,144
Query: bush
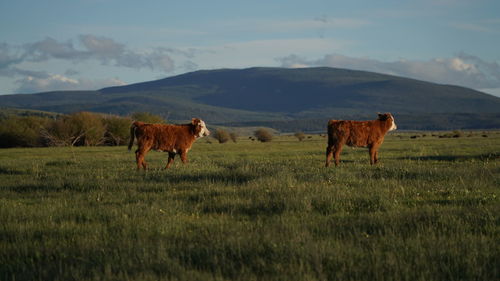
18,131
300,136
147,117
233,136
82,128
117,130
221,135
90,126
263,135
59,133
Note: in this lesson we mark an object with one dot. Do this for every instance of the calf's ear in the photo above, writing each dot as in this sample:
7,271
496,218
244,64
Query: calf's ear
383,116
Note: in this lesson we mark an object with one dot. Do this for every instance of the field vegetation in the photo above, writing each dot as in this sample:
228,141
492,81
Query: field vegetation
36,129
251,210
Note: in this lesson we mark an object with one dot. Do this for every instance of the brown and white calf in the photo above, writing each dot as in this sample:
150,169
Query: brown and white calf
174,139
358,133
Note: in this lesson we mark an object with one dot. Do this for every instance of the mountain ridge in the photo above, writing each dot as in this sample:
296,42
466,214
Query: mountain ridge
251,86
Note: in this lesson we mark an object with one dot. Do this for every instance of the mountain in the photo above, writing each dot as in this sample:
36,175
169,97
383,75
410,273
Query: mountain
253,95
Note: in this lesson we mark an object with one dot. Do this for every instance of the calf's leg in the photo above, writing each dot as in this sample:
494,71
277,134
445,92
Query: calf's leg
139,158
329,155
171,156
336,154
373,154
184,158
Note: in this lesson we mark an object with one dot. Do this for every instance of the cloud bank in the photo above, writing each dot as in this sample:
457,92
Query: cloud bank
104,50
49,82
463,69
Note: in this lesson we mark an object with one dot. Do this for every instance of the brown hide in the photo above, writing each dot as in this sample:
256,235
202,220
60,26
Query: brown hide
357,133
174,139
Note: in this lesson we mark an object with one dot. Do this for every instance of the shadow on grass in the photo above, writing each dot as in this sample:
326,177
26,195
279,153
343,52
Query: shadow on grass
233,173
62,163
467,202
9,171
454,158
53,187
269,207
233,177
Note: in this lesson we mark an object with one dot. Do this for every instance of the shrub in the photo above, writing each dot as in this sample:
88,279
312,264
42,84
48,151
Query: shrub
117,130
82,128
233,136
221,135
300,136
147,117
18,131
91,126
58,133
263,135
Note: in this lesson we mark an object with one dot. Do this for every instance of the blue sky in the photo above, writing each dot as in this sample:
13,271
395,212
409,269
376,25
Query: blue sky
91,44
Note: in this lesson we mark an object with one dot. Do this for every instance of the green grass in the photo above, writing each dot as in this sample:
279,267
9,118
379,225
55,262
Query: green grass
254,211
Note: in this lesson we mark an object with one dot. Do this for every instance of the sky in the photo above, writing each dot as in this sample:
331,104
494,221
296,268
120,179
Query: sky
91,44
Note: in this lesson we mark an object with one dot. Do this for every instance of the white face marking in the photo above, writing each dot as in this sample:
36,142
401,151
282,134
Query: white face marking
204,131
393,125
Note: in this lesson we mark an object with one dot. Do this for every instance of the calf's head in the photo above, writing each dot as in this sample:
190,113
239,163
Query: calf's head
387,117
199,128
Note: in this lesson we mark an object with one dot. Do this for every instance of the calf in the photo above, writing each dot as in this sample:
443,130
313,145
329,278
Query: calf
174,139
358,133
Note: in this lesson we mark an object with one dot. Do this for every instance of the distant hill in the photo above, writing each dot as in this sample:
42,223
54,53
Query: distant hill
262,95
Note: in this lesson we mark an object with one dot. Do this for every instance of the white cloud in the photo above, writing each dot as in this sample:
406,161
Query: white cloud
51,48
108,51
8,56
56,82
15,59
105,50
159,60
30,84
463,69
102,46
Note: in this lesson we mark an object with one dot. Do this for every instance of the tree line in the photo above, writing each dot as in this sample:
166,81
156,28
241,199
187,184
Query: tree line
77,129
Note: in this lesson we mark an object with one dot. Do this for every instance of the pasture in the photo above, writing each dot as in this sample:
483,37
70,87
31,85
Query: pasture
254,211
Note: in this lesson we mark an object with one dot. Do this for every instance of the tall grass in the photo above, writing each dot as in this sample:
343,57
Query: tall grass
254,211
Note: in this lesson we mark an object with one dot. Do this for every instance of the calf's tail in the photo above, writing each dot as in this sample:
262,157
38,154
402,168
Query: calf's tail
132,135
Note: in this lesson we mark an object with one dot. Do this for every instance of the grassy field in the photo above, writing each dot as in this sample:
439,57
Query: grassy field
254,211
